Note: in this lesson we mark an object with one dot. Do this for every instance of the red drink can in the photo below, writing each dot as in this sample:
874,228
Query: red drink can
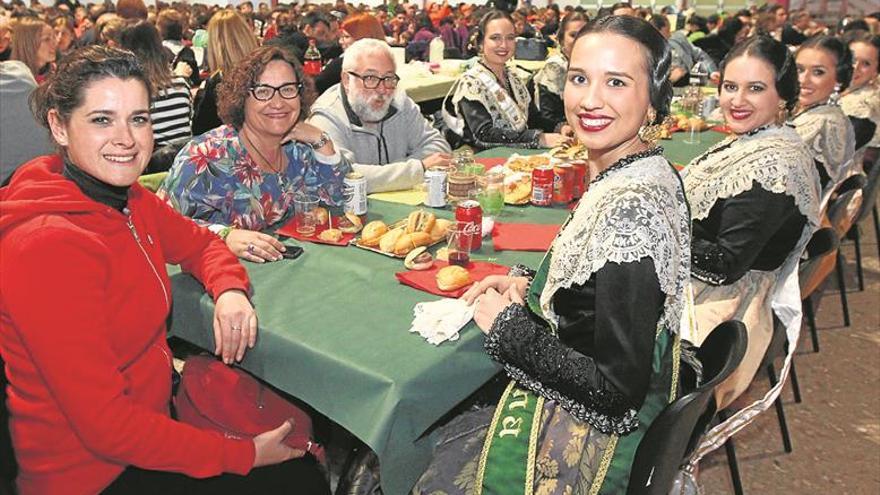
542,186
579,187
469,216
563,183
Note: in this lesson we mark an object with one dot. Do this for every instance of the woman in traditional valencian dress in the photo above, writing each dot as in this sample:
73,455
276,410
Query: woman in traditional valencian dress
590,338
549,113
824,66
489,105
861,101
754,200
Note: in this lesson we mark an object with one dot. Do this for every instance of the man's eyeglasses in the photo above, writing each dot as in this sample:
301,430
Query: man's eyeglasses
265,92
372,82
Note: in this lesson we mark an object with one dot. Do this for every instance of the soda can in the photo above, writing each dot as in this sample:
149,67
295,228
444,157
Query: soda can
355,191
579,186
469,215
542,186
563,183
435,186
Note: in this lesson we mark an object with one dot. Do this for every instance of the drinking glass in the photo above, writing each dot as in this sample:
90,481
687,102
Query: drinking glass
458,244
304,213
490,194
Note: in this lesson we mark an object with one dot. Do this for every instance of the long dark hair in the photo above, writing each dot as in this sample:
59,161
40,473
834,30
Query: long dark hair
142,38
657,55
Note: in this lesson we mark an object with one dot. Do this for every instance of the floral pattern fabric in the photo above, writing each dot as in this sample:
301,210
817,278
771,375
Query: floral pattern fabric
215,181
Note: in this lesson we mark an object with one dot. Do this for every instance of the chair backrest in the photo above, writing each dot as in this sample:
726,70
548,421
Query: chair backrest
843,210
820,260
675,433
872,184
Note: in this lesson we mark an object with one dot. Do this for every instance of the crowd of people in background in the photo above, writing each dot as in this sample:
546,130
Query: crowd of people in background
247,107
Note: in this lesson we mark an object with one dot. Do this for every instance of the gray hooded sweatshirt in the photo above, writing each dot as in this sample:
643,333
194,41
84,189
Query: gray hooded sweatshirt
388,153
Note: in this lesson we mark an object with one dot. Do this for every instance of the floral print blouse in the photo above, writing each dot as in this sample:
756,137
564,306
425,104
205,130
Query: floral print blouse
216,182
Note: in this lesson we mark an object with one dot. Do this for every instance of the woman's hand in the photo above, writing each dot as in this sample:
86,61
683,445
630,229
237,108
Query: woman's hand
550,140
183,70
254,246
235,325
499,283
309,134
566,131
271,449
488,306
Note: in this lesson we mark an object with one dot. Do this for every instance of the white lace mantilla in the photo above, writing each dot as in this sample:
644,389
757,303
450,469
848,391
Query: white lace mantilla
775,158
479,84
552,76
831,139
864,103
635,212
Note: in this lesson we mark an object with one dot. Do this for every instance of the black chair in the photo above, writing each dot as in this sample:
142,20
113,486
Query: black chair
842,213
677,431
869,206
819,263
778,348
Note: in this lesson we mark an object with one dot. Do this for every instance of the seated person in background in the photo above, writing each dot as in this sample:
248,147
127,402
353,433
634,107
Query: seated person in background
489,105
88,364
824,66
754,201
241,178
20,138
353,28
549,82
376,126
684,54
795,33
861,101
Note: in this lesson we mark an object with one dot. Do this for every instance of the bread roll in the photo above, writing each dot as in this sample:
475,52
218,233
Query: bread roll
372,233
438,231
420,221
330,235
408,242
452,277
419,259
388,241
321,215
350,223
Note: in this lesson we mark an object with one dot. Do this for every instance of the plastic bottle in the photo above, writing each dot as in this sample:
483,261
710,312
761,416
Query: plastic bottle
699,76
312,60
435,50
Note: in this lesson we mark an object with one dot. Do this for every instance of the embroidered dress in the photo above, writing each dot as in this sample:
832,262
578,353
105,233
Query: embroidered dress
215,181
864,103
769,164
596,351
482,113
549,83
831,139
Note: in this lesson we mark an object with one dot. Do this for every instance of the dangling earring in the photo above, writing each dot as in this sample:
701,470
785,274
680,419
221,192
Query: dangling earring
834,98
781,113
649,132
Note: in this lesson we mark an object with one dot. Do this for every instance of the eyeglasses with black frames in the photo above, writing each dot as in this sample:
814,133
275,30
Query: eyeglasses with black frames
265,92
372,82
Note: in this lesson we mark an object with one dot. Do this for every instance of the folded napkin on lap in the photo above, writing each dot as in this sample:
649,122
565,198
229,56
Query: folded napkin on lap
439,321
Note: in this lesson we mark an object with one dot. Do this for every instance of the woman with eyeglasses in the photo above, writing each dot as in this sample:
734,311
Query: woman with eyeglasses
241,178
489,105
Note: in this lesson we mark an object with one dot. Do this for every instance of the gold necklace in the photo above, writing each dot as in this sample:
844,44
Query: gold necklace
274,168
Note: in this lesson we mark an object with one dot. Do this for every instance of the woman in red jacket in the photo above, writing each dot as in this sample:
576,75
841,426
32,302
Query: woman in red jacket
85,297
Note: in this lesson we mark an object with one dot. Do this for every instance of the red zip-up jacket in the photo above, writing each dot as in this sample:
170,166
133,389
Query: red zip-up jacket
84,296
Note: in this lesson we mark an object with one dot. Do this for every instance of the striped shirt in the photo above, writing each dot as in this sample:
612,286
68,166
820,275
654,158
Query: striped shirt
171,112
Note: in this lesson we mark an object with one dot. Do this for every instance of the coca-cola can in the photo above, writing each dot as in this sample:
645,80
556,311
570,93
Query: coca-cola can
435,186
355,191
469,216
579,186
542,186
563,183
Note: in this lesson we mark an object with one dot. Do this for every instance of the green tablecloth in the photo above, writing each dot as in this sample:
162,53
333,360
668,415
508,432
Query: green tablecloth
675,149
334,333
